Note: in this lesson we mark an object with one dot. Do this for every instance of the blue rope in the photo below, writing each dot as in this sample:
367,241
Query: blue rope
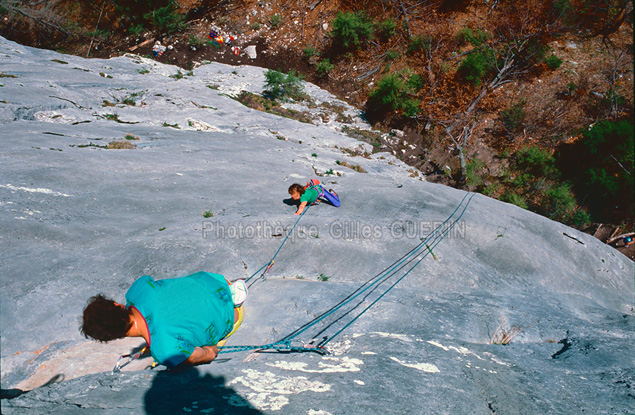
433,239
382,276
280,346
270,263
398,280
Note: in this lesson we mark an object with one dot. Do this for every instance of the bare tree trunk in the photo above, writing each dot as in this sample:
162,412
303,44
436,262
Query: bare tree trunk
430,52
96,26
462,162
460,142
405,16
499,79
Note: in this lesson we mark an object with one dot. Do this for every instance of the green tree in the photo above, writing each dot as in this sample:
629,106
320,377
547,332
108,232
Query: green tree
281,86
467,35
419,43
553,62
393,93
310,51
137,8
415,83
513,117
387,94
351,30
601,166
391,54
275,21
560,204
167,19
515,199
410,107
537,162
477,65
323,67
385,29
610,147
472,170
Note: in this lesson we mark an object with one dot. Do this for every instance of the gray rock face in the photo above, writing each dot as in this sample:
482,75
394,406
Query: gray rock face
78,218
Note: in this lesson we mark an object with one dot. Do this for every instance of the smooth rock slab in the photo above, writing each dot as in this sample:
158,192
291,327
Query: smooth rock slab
78,218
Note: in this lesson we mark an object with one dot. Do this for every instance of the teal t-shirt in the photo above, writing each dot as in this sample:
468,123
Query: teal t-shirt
183,313
309,196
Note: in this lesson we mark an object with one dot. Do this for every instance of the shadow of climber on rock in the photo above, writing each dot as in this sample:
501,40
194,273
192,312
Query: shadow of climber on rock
290,202
186,391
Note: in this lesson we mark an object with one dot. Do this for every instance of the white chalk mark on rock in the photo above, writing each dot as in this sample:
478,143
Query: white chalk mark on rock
202,126
35,190
461,350
495,360
424,367
269,390
432,342
339,348
338,365
402,337
465,351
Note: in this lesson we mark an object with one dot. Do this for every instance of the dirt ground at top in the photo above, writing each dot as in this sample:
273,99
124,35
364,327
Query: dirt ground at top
281,30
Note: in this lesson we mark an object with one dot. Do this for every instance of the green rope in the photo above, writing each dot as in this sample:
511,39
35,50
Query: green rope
433,239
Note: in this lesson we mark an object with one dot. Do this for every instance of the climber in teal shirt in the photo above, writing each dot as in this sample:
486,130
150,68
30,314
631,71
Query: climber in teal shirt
182,319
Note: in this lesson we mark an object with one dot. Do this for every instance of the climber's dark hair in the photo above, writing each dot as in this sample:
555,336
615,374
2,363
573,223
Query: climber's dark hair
104,320
295,187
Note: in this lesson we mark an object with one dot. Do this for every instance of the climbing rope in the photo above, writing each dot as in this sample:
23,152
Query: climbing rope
281,346
286,344
269,264
420,251
324,342
433,239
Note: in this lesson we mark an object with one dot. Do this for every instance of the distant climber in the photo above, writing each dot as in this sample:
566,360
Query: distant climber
181,319
311,194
